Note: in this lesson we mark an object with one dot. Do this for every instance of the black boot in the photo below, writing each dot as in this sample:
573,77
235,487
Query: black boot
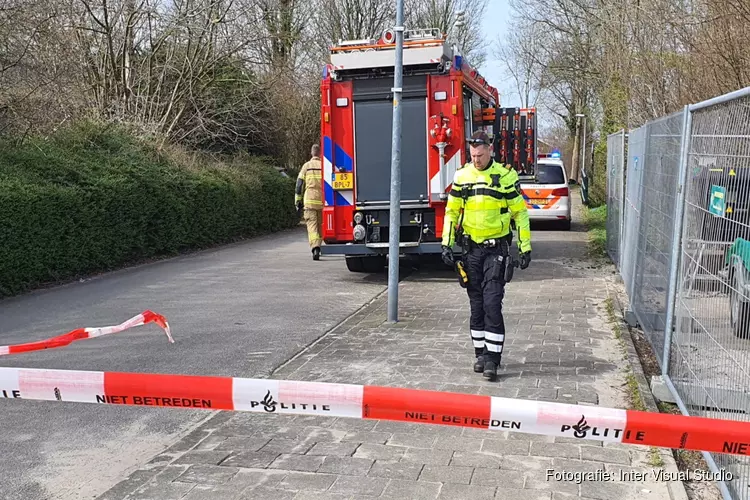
490,370
316,253
479,352
479,364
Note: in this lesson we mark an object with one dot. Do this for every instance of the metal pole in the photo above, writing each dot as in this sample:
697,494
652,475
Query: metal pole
583,159
621,194
676,256
395,204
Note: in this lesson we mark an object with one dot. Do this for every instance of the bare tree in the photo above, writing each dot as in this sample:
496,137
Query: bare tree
37,81
520,54
442,15
233,75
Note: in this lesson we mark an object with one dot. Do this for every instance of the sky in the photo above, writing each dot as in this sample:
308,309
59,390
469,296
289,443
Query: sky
496,18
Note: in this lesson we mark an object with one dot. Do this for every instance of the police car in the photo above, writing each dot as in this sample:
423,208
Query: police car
547,193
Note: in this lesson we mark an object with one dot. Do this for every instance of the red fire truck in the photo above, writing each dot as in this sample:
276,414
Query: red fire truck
444,100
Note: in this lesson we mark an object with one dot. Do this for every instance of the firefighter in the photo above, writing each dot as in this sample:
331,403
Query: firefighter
484,198
308,195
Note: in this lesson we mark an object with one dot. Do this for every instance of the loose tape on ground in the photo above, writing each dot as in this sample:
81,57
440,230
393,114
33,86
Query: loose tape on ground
89,333
275,397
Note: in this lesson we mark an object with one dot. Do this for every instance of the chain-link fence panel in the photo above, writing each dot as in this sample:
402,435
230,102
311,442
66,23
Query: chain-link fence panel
655,238
615,194
632,214
710,347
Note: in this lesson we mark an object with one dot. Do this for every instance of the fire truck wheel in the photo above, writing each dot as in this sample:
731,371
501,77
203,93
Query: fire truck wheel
355,264
365,264
374,264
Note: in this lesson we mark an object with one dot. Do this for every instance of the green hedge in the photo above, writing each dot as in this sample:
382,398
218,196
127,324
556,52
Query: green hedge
93,199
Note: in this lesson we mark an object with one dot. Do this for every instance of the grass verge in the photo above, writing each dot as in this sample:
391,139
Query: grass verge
596,222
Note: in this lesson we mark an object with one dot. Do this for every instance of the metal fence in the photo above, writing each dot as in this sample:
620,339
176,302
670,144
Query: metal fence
686,259
632,214
655,236
615,193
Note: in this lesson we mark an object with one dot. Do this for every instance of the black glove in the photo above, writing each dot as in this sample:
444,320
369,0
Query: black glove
525,260
298,206
448,256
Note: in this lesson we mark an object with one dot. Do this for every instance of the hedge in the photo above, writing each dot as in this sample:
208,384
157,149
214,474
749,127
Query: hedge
93,199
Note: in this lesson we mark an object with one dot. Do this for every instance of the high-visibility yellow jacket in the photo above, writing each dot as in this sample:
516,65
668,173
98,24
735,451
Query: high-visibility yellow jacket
310,185
492,198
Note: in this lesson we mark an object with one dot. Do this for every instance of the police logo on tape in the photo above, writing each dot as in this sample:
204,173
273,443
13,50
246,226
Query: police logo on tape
582,429
270,405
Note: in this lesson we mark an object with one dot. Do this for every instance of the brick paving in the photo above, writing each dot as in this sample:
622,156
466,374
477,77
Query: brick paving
558,348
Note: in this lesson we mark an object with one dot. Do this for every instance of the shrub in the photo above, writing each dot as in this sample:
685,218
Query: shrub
93,199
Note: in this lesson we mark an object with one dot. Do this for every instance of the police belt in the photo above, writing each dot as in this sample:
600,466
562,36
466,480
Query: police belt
502,243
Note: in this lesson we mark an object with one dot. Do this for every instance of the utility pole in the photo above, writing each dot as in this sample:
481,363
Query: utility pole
583,148
395,203
576,161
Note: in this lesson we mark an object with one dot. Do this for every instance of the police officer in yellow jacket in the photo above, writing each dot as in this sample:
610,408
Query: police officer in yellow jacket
485,196
308,194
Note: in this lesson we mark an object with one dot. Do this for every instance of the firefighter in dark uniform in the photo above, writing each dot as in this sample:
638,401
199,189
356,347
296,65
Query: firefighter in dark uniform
483,200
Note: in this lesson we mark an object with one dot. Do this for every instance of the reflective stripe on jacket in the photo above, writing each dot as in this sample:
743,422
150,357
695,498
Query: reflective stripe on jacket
310,185
492,198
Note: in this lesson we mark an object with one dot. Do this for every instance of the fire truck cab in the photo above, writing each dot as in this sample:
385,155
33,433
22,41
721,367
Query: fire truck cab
444,100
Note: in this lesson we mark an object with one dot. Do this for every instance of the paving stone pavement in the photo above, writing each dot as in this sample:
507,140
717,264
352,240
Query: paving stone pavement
558,348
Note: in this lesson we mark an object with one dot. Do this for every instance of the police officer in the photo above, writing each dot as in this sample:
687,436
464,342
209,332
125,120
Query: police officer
485,196
308,194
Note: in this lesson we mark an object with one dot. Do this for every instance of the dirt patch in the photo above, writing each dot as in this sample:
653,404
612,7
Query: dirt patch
687,461
690,460
645,354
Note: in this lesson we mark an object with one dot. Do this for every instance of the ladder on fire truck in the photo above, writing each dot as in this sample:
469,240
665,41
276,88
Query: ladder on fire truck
514,128
422,47
425,50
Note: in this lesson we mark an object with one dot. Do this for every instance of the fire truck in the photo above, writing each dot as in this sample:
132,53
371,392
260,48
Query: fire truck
444,100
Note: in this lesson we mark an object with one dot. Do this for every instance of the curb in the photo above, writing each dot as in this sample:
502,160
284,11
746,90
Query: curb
341,324
677,490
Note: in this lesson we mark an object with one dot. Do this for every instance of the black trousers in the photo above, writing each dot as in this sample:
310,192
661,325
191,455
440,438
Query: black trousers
486,289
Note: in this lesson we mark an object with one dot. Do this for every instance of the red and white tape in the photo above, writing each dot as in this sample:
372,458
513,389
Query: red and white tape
358,401
89,333
283,397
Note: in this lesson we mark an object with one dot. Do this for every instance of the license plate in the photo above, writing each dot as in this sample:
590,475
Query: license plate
539,201
343,181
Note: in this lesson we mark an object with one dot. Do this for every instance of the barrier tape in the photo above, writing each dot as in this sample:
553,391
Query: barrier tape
281,397
359,401
89,333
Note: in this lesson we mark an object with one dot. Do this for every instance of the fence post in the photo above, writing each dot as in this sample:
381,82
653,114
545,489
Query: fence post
623,165
674,271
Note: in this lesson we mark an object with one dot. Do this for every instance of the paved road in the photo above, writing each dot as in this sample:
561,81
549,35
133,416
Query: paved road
240,310
559,348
